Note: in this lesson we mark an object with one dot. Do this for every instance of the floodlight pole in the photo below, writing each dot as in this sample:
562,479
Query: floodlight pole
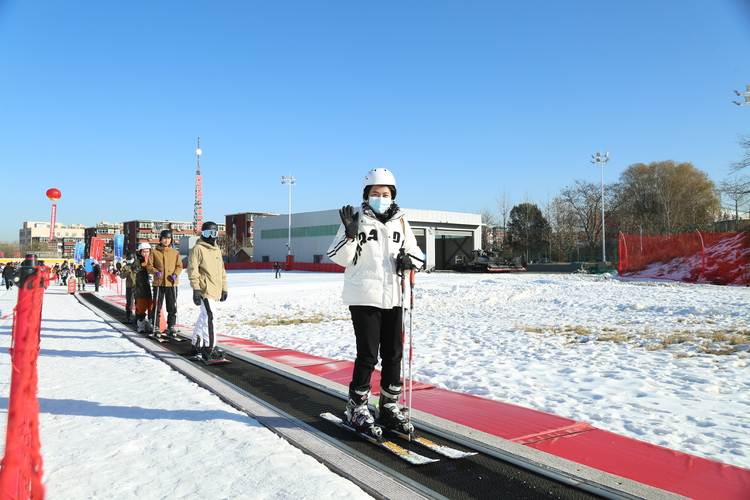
289,181
601,160
746,95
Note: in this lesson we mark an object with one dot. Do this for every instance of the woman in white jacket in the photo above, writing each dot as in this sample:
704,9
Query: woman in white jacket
376,245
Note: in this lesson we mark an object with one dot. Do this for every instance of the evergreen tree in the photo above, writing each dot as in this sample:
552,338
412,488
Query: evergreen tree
528,229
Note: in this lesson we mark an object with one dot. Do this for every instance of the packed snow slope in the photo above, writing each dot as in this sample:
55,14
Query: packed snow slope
662,362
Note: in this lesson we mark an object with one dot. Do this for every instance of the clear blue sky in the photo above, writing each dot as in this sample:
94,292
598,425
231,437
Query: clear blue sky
461,100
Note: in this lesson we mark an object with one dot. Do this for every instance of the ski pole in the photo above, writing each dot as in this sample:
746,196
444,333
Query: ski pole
411,340
400,272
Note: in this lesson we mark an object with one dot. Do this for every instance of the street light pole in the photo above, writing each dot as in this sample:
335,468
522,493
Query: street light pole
746,95
289,181
601,160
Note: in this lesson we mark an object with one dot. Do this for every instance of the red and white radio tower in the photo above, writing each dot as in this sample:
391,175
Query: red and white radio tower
198,207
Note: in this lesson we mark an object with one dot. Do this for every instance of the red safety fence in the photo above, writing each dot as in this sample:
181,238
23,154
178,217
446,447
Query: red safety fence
697,257
21,467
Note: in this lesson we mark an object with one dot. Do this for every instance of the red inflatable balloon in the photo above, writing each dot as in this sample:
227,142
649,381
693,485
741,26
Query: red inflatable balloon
54,194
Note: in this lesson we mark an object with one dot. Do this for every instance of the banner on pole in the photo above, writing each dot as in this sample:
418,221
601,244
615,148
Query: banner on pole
119,247
78,255
97,247
52,219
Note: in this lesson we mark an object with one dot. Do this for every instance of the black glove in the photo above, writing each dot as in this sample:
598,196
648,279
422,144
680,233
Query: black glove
404,262
197,297
349,219
223,296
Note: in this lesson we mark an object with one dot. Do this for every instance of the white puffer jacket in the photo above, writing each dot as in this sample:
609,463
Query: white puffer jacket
370,278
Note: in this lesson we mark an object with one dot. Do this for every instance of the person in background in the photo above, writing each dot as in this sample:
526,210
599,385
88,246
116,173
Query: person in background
165,265
129,272
64,273
277,267
81,277
208,279
376,246
96,268
8,272
142,288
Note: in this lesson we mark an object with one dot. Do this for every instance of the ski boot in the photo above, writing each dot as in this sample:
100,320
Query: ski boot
170,332
211,354
194,350
141,326
358,415
390,415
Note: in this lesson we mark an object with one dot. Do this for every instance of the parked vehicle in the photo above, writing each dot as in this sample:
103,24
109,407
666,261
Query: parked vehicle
483,261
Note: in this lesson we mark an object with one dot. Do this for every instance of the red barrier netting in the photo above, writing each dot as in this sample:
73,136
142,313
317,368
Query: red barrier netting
21,467
697,257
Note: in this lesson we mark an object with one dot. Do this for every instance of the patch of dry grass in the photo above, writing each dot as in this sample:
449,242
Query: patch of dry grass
278,320
718,342
614,336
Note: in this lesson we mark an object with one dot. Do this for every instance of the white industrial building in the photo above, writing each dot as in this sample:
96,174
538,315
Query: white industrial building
445,237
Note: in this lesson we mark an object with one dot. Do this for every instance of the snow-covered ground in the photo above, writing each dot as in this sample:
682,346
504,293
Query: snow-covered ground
592,348
116,423
639,358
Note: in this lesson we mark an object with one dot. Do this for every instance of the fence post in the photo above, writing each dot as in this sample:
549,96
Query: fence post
703,255
622,250
21,470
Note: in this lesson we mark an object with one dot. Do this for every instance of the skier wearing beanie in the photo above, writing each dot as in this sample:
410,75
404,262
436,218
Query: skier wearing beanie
165,266
375,245
142,287
128,272
208,279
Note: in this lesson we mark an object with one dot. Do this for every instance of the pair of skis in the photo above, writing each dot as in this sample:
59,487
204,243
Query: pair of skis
401,452
163,337
219,361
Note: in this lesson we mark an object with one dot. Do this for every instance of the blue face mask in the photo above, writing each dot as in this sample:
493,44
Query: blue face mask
379,205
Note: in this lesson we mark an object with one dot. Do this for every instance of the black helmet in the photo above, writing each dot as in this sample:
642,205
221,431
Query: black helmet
130,255
167,233
210,226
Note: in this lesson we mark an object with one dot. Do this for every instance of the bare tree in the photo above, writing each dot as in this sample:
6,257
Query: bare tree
504,204
736,190
744,141
489,221
583,201
564,228
9,248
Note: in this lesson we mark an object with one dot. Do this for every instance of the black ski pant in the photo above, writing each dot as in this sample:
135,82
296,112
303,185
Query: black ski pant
165,295
377,329
129,300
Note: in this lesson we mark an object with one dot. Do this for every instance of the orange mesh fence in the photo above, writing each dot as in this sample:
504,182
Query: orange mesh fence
697,257
21,468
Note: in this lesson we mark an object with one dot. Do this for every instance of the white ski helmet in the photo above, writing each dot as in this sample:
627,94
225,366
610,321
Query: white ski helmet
380,177
144,246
